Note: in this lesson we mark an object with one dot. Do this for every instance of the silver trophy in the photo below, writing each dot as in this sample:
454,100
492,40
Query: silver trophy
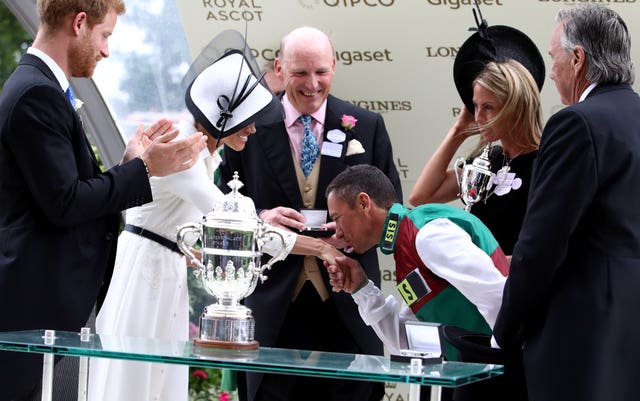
232,236
474,178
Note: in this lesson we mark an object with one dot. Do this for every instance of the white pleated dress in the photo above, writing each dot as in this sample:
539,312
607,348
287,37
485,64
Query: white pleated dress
148,294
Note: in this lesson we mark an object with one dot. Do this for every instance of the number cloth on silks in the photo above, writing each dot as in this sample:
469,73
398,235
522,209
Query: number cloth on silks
432,274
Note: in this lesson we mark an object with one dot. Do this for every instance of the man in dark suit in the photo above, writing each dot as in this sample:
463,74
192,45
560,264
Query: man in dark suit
59,215
572,295
294,308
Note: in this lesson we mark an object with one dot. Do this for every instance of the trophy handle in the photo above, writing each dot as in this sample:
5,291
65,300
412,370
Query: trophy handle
459,165
280,256
182,231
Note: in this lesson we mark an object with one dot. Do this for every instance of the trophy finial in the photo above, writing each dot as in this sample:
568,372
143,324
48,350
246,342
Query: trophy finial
483,160
235,184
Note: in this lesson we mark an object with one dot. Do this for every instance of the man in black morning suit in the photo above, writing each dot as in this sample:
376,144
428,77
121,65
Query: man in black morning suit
571,301
59,215
295,308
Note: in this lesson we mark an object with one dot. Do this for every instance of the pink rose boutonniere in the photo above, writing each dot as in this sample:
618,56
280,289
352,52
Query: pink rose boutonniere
354,147
348,123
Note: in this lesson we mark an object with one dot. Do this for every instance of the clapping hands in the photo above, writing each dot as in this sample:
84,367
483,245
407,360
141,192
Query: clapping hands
161,154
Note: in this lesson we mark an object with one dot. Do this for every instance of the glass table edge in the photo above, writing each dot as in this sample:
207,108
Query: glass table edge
70,344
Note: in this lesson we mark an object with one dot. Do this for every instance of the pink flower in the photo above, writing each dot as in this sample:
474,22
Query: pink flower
224,396
193,330
348,122
200,373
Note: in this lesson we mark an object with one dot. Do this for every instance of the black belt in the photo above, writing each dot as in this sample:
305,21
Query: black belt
153,237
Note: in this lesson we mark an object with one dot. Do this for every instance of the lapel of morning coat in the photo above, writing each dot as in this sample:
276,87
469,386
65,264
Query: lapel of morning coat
275,143
37,62
331,166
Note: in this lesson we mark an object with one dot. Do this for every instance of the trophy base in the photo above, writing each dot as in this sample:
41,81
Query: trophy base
250,345
227,328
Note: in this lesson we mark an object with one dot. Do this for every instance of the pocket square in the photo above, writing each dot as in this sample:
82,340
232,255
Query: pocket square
354,147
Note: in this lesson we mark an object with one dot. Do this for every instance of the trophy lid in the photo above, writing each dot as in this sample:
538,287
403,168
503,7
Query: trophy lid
482,161
234,208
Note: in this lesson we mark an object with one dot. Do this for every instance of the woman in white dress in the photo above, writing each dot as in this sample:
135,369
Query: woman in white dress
148,296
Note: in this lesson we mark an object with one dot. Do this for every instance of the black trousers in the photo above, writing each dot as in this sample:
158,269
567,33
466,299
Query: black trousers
314,325
65,382
65,376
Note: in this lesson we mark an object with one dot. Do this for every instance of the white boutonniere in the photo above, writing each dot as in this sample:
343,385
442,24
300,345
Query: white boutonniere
504,182
78,104
354,147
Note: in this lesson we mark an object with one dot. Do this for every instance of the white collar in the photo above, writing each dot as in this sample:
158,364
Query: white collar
215,155
587,91
291,114
53,66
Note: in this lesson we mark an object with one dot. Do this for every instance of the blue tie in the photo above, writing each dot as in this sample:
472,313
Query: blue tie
69,94
309,146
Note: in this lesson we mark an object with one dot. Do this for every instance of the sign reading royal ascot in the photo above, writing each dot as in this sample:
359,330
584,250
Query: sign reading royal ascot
232,10
392,57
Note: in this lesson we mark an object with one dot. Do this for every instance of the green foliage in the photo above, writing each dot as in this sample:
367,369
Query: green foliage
98,157
14,41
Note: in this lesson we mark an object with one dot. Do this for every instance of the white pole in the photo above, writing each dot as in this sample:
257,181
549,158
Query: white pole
83,369
47,367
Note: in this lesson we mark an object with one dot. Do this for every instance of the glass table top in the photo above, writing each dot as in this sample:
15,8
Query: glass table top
272,360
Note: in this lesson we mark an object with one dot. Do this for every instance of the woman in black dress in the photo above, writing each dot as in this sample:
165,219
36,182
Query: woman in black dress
506,103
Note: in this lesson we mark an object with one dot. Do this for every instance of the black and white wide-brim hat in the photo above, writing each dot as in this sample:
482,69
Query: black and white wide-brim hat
228,94
494,43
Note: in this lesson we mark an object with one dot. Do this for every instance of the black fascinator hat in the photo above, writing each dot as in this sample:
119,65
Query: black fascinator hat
493,43
224,89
